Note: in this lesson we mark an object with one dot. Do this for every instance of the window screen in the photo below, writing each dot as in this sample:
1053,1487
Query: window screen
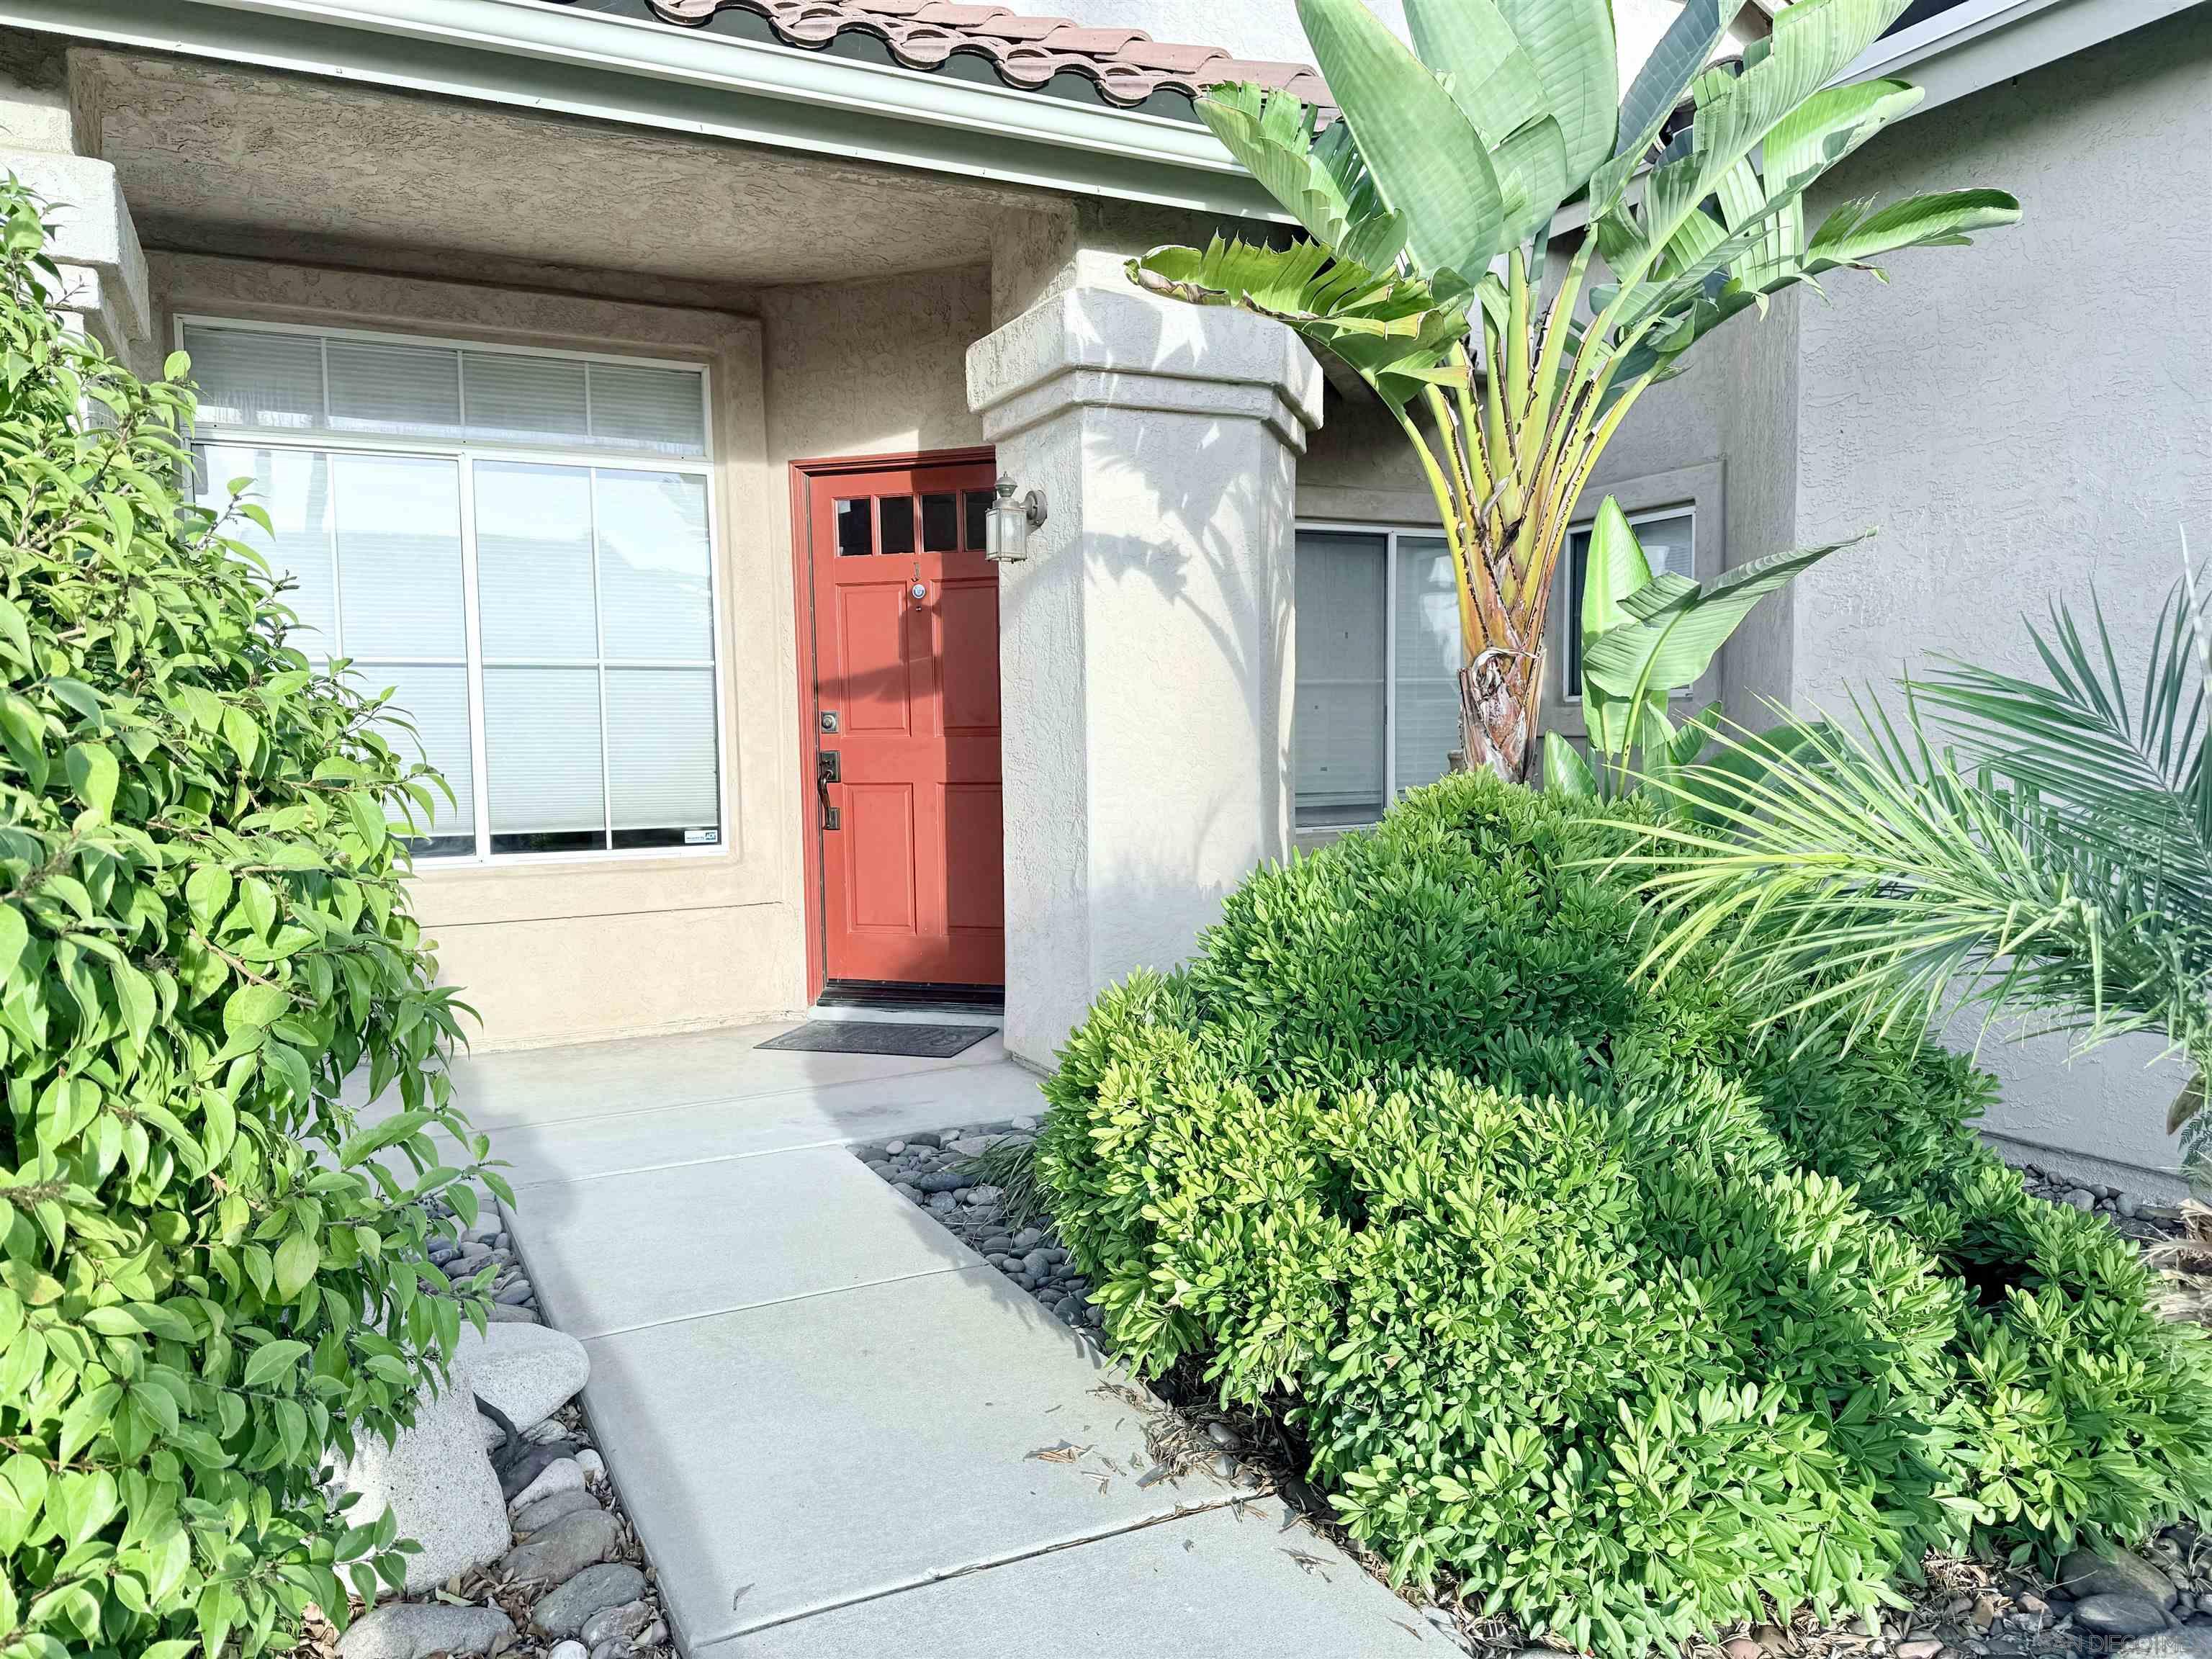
515,546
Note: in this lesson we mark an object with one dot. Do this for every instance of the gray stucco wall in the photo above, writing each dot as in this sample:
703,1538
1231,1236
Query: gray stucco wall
2023,421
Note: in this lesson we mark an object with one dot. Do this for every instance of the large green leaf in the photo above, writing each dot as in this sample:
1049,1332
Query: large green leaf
1686,47
1679,625
1851,235
1532,173
1321,184
1397,332
1813,41
1426,157
1617,568
1490,78
1571,44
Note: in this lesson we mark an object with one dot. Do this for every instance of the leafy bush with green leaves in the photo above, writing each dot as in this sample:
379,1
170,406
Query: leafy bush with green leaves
1578,1293
210,1282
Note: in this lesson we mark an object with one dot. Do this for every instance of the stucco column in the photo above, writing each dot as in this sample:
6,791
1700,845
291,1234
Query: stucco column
102,284
1145,644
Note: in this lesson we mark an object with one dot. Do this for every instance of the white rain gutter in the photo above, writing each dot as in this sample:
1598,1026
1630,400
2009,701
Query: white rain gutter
637,72
1978,43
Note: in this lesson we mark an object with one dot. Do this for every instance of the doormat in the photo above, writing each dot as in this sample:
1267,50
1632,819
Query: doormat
876,1037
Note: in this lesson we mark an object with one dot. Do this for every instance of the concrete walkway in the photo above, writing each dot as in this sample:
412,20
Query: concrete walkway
824,1413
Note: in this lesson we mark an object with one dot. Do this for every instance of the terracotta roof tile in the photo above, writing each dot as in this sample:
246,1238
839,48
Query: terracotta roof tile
1127,65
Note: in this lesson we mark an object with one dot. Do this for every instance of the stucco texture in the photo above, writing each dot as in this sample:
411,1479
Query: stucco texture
1146,655
238,161
2028,421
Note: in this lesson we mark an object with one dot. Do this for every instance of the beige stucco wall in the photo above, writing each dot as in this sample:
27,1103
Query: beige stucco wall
566,950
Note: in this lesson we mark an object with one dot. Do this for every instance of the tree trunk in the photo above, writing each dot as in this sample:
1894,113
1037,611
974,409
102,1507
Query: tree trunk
1499,696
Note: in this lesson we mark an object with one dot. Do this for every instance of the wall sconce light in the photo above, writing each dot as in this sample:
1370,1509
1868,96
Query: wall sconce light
1007,523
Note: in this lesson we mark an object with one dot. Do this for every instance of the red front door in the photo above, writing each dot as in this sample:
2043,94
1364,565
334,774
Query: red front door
906,726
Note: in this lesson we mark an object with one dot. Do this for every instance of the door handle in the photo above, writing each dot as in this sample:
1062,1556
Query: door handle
826,772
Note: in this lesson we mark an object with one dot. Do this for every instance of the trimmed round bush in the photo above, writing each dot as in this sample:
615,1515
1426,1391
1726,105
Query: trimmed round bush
212,1281
1592,1296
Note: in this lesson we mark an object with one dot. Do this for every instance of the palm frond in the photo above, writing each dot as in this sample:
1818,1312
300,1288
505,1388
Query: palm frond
2129,769
2049,861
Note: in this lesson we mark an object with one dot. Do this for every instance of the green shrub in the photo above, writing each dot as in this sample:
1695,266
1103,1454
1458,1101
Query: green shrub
1580,1295
209,1283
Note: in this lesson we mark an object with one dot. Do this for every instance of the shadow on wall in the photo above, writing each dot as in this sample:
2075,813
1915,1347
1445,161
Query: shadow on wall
1168,570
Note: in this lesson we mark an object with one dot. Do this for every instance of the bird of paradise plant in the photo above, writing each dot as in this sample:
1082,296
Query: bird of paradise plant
1430,207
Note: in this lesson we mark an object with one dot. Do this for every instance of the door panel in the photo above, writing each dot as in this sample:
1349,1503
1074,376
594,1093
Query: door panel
976,895
880,875
912,870
870,657
970,619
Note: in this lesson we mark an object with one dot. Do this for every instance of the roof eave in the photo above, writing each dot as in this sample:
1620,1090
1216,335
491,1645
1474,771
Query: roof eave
523,54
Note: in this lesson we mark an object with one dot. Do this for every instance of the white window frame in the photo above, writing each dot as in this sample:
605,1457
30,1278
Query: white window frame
1391,533
464,455
1692,490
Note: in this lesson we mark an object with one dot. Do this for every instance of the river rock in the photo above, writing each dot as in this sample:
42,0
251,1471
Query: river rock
560,1474
514,1477
437,1479
2085,1573
624,1624
526,1372
536,1518
415,1630
562,1612
2119,1615
2193,1642
580,1539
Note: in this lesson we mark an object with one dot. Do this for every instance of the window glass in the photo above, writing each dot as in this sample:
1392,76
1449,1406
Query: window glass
653,409
278,378
292,486
510,398
1337,729
940,524
398,523
435,701
856,535
653,583
1669,542
1425,686
660,755
534,599
545,789
251,376
898,524
545,628
394,390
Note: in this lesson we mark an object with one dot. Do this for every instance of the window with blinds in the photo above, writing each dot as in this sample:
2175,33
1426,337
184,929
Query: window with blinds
1377,637
516,546
1377,690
